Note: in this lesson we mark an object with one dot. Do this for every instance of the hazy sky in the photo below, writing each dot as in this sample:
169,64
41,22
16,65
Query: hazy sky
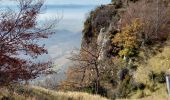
85,2
59,2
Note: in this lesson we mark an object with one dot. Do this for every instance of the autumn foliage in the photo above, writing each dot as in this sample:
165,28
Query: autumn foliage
129,38
155,14
19,34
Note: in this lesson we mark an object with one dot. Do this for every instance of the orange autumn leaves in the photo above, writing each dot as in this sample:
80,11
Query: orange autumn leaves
128,39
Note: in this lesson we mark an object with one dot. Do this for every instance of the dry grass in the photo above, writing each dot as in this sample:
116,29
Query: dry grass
71,95
160,94
157,64
38,93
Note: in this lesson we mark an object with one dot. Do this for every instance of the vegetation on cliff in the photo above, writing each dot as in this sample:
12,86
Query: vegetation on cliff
136,59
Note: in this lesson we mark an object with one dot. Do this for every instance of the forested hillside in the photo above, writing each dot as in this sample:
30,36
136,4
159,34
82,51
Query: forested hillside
124,51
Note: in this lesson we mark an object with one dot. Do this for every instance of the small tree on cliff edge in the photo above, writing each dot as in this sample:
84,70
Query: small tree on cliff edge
19,34
87,63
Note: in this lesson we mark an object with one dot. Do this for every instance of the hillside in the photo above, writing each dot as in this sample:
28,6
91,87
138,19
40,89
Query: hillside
124,51
38,93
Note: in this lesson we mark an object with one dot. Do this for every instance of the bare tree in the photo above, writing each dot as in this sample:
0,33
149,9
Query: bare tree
19,35
87,60
155,16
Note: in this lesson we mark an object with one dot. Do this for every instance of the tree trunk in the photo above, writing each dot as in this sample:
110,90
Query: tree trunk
97,79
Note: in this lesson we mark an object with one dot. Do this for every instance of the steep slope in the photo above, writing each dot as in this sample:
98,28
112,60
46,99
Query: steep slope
133,50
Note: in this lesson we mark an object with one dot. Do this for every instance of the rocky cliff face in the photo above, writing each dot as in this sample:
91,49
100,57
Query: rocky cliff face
97,28
101,24
97,20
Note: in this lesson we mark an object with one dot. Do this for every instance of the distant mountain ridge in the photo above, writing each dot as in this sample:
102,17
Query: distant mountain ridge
70,6
57,6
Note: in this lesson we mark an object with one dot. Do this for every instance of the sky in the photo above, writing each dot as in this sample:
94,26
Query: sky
61,2
82,2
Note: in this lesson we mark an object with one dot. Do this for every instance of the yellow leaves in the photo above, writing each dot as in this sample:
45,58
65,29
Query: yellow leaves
126,52
128,38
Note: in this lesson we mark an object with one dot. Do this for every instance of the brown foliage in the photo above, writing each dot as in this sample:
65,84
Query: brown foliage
18,36
86,68
74,77
155,16
89,71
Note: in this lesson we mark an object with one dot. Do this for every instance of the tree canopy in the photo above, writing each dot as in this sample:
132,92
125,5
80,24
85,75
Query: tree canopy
19,35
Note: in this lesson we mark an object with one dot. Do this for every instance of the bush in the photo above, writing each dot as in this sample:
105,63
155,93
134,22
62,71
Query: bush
123,73
90,89
20,90
125,88
141,86
158,78
5,98
161,77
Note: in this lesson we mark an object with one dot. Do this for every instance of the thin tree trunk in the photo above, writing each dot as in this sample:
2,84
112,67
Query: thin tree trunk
97,79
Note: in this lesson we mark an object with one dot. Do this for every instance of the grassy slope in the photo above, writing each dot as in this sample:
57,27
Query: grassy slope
160,94
37,93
